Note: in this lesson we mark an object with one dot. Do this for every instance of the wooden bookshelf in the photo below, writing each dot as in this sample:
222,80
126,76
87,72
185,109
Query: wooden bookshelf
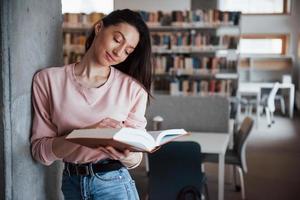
195,52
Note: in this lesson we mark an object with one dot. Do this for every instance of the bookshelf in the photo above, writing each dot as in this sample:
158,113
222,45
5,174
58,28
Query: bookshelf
76,27
194,52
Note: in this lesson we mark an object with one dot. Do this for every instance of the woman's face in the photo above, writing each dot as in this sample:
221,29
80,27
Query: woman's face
113,44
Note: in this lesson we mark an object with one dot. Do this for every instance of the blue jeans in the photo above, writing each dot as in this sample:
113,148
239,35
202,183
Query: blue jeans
113,185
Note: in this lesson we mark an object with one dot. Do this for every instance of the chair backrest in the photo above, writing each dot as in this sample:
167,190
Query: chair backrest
173,167
286,78
271,97
240,140
206,114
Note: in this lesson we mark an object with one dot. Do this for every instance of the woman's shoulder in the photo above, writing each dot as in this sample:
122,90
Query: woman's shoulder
49,73
123,77
126,79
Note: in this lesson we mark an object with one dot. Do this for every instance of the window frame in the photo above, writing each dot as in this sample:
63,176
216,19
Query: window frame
286,10
283,37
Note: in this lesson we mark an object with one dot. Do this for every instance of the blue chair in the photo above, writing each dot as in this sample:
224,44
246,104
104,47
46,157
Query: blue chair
174,169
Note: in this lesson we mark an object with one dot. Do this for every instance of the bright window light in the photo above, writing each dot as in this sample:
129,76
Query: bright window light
261,46
253,6
87,6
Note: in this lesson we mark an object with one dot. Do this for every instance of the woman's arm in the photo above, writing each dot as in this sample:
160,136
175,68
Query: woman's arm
136,119
43,130
62,148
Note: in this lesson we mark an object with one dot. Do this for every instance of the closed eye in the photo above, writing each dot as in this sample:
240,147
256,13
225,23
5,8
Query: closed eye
128,51
117,41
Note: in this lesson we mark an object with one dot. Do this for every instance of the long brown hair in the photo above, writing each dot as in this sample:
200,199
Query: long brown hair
138,64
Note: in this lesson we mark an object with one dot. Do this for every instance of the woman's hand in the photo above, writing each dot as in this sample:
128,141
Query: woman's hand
114,153
109,150
107,123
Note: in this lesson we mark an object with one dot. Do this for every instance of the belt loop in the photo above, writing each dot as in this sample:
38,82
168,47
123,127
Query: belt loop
76,169
91,169
67,169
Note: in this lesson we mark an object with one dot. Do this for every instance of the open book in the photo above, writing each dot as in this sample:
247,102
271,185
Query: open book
124,138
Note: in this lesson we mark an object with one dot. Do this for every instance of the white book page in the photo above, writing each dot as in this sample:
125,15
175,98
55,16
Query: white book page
162,137
135,137
93,133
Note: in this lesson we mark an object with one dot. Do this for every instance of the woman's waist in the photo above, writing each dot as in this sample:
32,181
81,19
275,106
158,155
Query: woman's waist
89,169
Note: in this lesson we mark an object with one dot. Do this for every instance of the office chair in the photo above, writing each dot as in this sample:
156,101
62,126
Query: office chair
269,106
176,168
236,156
279,97
264,102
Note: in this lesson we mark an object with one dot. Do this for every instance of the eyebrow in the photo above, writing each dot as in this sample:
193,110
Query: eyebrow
124,38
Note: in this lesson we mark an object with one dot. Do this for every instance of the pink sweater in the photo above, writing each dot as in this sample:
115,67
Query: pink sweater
61,104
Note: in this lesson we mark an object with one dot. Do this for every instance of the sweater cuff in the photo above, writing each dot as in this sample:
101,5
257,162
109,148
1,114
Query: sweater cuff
133,160
50,156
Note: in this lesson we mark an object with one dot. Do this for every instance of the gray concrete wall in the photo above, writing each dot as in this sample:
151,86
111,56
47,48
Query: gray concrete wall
198,114
31,39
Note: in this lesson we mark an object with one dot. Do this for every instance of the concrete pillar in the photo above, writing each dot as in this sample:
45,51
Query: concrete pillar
31,39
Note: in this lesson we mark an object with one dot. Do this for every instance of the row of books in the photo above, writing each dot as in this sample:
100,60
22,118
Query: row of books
81,20
167,40
193,65
74,38
72,57
203,87
198,16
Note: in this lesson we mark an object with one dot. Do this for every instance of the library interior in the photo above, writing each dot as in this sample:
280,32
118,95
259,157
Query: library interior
225,71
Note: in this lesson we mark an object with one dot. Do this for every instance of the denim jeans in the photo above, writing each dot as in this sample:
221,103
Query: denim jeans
113,185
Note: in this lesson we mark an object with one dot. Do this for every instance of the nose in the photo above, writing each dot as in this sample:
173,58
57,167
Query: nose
118,50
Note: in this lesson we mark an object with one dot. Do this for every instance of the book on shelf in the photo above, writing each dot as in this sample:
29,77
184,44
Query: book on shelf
211,17
81,20
124,138
193,41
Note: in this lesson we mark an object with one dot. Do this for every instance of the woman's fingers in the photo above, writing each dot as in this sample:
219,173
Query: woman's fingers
106,123
126,152
111,123
118,155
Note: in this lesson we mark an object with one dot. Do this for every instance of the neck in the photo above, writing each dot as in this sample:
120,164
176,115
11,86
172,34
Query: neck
89,69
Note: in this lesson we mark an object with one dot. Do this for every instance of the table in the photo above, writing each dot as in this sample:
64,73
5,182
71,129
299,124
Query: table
254,89
215,143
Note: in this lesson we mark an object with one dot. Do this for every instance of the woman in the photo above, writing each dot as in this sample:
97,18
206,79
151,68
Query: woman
109,87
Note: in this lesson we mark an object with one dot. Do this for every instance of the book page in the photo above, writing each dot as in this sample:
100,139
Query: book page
136,137
165,136
154,134
94,133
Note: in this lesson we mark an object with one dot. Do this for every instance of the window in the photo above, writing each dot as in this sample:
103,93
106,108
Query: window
263,44
87,6
255,6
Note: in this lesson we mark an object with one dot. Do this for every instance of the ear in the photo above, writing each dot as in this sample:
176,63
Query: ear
98,27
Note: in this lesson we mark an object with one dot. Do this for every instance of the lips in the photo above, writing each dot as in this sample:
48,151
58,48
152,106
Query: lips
110,58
